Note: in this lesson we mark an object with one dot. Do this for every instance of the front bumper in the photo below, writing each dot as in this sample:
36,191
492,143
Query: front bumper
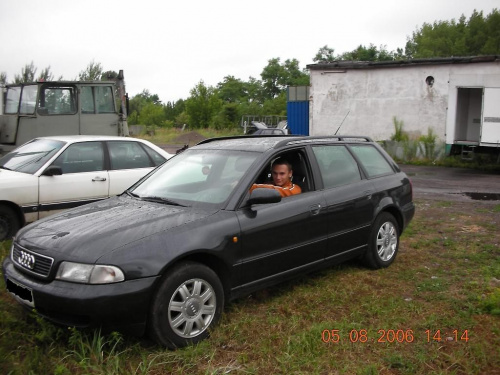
81,305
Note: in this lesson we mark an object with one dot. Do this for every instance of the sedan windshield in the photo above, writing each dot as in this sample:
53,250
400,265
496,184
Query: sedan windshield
196,177
31,156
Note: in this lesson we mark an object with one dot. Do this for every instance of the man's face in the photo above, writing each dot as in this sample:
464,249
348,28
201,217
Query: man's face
281,175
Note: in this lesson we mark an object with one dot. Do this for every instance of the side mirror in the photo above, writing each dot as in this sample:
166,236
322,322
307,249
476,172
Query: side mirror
53,170
264,195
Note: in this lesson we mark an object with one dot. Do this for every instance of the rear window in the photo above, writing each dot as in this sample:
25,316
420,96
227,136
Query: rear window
337,166
372,160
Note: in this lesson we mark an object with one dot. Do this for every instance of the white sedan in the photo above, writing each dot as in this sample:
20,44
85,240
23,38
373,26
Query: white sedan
50,174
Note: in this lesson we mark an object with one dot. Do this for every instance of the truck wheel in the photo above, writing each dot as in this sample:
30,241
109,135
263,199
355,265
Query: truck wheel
186,306
384,242
9,223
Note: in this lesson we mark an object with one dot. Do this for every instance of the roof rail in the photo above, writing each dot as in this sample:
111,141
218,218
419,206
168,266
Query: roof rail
295,139
327,138
208,140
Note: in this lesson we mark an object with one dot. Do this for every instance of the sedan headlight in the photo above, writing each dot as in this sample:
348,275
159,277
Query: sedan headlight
89,273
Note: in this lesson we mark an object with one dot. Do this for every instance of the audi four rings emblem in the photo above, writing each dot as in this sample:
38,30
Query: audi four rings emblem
27,260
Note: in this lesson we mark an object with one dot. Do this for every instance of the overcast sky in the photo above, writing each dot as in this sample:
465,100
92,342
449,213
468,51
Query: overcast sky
167,47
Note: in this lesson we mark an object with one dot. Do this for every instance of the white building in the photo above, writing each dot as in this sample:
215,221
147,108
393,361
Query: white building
459,98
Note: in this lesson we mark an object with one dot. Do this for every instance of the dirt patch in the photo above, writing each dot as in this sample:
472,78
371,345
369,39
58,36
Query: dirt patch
189,138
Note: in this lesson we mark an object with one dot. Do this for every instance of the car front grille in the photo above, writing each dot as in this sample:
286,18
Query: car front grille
31,262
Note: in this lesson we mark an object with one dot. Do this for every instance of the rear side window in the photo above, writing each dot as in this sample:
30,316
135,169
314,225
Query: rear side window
97,99
337,166
128,155
156,157
372,160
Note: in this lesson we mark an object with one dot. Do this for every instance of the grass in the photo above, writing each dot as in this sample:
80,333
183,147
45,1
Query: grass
435,310
177,136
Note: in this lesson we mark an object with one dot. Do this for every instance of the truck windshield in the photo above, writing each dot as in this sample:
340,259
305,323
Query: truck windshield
24,95
31,156
12,100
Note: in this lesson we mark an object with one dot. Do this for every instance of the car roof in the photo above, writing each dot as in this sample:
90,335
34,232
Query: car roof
86,138
69,139
262,143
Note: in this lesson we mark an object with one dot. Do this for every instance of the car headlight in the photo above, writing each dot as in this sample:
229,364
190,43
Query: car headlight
89,273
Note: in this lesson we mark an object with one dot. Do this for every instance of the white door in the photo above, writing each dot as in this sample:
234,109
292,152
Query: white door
490,132
84,179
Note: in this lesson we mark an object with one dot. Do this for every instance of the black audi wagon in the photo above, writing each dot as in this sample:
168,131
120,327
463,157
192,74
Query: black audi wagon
167,254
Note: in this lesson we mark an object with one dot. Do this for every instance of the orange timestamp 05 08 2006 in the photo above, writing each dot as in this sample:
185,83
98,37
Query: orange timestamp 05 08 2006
393,336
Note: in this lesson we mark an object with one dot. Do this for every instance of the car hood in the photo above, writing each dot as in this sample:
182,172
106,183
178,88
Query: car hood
13,178
88,232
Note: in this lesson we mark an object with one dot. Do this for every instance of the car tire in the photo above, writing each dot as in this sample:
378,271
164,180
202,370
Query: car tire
383,243
186,306
9,223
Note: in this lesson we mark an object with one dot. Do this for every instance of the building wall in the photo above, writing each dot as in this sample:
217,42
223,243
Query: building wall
364,101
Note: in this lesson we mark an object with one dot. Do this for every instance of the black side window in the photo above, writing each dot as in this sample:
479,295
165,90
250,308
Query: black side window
337,166
372,160
81,157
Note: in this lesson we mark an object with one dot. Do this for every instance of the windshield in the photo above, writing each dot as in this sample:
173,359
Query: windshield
30,157
196,177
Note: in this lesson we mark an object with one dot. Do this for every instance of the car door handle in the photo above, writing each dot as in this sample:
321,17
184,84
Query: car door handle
315,209
98,179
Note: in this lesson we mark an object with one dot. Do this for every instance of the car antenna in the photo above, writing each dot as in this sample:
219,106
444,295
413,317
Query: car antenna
342,122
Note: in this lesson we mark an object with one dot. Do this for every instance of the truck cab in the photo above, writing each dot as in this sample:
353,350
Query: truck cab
38,109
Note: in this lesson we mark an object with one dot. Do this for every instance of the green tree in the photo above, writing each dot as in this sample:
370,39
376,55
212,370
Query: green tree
276,106
3,78
325,55
475,36
181,119
152,115
46,75
28,73
254,90
231,89
137,104
276,76
172,110
93,72
228,117
202,105
370,53
109,75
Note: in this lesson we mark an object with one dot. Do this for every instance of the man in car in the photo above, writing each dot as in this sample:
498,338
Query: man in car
281,172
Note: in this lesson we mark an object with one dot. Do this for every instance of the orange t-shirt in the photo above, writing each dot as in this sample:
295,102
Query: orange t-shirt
285,191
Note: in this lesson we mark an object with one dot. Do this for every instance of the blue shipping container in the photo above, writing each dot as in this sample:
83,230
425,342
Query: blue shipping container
298,117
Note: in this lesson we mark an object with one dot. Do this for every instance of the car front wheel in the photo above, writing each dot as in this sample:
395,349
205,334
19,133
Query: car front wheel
9,223
384,242
187,305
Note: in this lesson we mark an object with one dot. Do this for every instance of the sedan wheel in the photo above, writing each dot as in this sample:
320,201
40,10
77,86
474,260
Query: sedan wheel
187,305
9,223
384,242
387,241
192,308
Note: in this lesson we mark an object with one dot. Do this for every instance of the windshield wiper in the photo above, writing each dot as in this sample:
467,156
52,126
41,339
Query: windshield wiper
4,167
130,194
162,200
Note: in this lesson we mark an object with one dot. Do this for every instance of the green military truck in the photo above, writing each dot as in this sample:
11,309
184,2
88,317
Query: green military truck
38,109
